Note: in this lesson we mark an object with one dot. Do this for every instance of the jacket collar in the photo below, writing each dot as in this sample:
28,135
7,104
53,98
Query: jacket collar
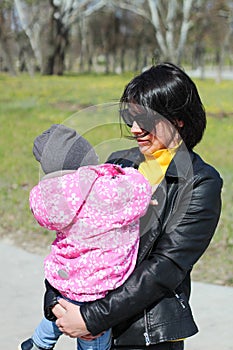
181,165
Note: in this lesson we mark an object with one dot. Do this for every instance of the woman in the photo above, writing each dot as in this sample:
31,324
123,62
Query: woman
166,116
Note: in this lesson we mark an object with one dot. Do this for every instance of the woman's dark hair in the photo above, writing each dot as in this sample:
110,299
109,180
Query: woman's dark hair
168,90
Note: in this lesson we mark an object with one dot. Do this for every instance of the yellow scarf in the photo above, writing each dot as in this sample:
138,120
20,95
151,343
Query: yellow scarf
155,166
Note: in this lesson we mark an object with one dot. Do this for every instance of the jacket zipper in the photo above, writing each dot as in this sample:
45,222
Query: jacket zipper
180,300
146,334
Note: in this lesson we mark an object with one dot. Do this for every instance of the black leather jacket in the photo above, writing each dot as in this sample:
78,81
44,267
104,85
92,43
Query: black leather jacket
152,305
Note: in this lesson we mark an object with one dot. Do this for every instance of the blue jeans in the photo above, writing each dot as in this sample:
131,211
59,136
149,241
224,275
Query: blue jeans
47,334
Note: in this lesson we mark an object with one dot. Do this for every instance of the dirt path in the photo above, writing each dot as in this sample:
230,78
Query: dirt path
21,305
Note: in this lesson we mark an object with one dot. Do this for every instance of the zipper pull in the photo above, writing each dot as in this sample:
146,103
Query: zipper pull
147,339
180,300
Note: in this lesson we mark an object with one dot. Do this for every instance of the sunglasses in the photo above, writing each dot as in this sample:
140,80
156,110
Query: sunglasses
145,121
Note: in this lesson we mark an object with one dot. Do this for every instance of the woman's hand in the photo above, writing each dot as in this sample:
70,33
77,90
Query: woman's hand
58,310
69,320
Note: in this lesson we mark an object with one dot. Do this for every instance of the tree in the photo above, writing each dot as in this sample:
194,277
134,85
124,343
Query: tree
171,21
212,34
31,22
7,36
113,34
117,45
225,12
48,25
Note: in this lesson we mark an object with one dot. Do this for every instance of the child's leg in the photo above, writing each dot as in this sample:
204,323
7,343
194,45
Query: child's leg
46,334
101,343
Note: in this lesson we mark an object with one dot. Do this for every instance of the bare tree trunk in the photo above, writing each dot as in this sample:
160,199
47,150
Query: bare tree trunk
83,42
48,57
89,57
8,60
153,6
60,50
107,63
186,24
56,44
122,59
32,29
25,55
137,58
219,66
6,42
114,60
169,35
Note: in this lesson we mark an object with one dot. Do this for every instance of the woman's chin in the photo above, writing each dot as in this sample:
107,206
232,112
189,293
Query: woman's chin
145,148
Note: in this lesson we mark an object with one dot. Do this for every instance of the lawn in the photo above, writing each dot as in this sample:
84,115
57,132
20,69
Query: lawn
29,105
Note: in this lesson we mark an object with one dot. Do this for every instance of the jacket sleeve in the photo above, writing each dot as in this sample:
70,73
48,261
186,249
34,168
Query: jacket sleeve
186,235
50,300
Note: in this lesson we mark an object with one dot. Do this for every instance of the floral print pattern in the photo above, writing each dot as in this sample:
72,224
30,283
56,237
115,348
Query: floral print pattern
95,212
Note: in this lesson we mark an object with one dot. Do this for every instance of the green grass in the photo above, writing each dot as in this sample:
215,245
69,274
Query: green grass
29,106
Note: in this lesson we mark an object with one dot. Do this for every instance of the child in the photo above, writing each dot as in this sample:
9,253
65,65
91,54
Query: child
95,212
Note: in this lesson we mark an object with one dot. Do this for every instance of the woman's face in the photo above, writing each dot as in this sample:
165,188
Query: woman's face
164,135
148,143
151,130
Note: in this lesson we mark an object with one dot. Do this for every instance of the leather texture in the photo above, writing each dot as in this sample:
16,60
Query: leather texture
50,300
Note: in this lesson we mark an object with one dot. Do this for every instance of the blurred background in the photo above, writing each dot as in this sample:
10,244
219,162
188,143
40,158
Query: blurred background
60,36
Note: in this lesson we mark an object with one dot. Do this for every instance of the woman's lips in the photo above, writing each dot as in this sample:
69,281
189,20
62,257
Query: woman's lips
140,137
143,142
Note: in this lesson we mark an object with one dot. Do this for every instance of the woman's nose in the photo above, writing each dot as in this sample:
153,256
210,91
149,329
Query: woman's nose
135,128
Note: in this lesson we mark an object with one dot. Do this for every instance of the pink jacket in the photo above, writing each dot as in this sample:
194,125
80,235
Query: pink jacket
95,211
